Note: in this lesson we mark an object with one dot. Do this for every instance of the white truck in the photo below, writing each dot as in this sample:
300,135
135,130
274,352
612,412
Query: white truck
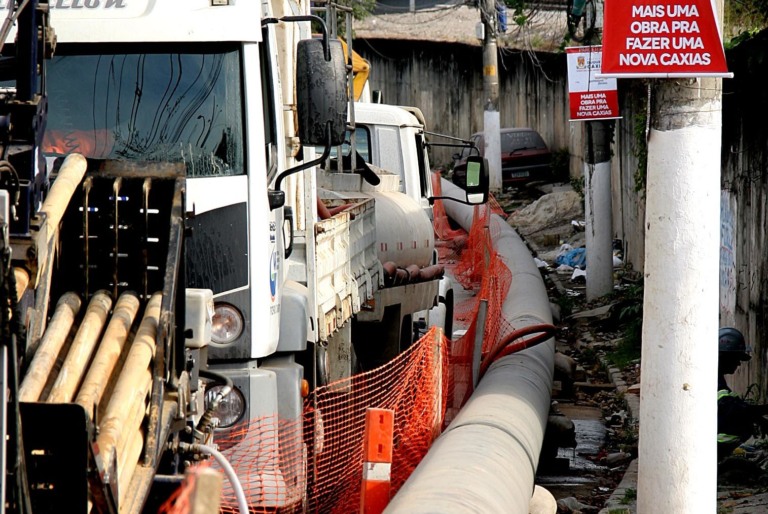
225,99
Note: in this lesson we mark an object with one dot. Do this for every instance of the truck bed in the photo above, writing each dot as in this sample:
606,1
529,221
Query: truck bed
348,270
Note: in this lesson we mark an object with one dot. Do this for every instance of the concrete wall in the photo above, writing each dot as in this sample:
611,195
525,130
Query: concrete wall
445,81
744,294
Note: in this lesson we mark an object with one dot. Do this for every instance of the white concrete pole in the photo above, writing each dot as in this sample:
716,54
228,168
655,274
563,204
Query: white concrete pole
678,408
491,118
492,150
597,208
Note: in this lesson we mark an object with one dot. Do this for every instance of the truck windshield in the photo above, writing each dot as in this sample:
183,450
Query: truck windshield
150,103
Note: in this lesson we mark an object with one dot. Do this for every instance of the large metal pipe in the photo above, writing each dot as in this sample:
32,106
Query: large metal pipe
108,354
486,459
68,178
128,390
45,357
76,362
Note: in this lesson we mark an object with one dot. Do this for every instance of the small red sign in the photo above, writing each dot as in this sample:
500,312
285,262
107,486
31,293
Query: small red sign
662,38
590,98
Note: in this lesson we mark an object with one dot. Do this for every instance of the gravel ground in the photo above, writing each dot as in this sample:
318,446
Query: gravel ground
591,334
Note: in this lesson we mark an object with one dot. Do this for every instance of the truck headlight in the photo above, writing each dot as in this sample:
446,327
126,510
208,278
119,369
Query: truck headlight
227,324
231,407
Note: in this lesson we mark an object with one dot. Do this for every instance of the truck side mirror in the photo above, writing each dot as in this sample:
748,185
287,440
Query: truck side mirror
477,184
321,93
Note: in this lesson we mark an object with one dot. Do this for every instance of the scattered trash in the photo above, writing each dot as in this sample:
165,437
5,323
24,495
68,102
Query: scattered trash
579,226
615,459
571,505
579,276
617,419
540,263
617,263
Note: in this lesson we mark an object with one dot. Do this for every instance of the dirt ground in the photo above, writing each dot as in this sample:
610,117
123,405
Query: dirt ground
596,386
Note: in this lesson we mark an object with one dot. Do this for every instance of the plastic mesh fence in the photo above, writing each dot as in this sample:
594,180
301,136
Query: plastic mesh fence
328,464
410,385
425,386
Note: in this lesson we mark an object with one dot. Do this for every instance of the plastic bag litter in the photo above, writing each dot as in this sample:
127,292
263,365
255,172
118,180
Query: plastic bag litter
576,257
564,248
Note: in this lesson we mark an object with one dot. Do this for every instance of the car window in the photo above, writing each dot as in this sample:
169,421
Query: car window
520,140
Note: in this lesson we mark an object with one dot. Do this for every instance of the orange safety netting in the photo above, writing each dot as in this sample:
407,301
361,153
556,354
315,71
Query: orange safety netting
424,386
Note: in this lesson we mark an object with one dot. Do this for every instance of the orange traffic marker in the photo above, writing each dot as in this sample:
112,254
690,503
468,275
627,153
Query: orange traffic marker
377,455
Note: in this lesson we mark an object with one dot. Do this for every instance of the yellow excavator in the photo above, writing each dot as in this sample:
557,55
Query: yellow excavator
361,68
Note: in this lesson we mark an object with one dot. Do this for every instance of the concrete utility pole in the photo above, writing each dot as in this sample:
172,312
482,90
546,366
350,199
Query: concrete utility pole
597,208
491,123
597,200
678,408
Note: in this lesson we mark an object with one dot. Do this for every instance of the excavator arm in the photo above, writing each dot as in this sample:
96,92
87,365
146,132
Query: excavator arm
361,68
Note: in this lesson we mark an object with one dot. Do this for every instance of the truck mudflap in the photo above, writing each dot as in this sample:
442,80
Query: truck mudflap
347,267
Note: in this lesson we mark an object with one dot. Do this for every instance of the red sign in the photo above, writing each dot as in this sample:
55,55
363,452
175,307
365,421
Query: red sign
662,38
590,98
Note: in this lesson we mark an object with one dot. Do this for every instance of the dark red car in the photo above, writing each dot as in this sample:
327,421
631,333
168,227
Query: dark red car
525,157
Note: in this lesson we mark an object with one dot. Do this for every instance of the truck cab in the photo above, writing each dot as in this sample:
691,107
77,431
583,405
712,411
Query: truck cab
392,137
195,87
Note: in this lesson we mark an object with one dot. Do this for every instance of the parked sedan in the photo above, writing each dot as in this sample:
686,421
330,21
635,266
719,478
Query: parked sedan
525,157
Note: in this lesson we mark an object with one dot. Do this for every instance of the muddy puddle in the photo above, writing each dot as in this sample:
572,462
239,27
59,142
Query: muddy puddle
574,471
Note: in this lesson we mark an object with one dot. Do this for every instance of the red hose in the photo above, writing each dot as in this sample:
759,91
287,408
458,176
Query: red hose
510,343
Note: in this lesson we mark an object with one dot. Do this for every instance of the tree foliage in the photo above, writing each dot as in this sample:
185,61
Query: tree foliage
520,10
743,19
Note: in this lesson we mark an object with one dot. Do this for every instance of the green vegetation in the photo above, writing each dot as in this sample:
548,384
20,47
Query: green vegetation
743,20
577,183
625,353
360,8
518,12
630,495
640,149
631,320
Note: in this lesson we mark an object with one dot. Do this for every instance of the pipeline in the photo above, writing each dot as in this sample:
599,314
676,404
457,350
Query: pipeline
92,361
486,459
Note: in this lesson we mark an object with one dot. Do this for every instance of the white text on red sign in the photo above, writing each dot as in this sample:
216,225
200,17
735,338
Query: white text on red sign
676,31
